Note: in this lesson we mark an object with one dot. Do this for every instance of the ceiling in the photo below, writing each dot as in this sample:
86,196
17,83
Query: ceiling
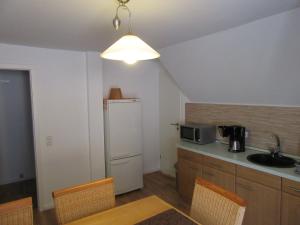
87,24
257,63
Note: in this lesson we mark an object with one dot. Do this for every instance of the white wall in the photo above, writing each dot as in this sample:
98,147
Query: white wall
95,104
60,108
139,81
257,63
16,136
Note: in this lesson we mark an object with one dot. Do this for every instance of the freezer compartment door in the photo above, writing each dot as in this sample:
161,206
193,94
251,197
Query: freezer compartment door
125,130
127,174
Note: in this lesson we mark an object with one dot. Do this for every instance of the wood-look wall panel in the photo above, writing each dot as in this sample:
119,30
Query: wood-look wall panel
261,122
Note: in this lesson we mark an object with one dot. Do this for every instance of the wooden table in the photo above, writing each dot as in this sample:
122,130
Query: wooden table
128,214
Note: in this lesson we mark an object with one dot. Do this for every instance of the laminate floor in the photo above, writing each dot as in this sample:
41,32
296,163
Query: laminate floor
154,184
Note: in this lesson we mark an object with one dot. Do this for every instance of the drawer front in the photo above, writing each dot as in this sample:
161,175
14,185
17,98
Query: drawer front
188,155
259,177
219,164
291,187
222,179
127,174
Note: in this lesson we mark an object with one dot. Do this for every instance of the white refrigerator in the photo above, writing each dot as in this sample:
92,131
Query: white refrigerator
123,143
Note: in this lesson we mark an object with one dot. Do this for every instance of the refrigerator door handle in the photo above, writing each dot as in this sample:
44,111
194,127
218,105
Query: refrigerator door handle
122,157
120,163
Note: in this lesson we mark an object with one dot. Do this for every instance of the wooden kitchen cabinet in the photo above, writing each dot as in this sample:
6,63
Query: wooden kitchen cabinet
290,209
290,206
263,202
259,177
291,187
220,178
219,164
190,156
271,200
192,165
187,173
189,167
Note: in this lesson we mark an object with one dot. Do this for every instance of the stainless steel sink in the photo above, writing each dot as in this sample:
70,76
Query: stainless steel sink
272,160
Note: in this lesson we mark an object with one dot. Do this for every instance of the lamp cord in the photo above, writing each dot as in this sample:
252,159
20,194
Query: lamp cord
123,6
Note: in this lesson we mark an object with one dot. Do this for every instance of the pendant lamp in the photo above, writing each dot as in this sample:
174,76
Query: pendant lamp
129,48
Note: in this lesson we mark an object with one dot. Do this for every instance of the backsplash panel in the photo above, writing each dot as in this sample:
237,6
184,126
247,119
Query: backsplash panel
260,121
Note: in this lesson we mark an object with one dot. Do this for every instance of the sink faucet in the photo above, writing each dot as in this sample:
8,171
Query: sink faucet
277,150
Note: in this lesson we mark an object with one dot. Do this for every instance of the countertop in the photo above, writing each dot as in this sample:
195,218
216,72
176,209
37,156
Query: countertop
220,151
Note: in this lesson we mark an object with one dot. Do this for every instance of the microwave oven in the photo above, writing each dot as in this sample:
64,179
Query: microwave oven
198,133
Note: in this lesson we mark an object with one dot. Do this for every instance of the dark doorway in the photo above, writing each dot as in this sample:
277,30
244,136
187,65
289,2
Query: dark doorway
17,162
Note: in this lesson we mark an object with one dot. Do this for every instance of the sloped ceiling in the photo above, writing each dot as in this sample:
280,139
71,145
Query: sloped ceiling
87,24
257,63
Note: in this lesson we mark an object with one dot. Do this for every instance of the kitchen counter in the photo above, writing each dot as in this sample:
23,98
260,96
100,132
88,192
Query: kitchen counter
220,151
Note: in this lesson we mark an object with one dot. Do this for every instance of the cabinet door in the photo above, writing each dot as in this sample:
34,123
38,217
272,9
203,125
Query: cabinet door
225,180
290,210
263,203
187,173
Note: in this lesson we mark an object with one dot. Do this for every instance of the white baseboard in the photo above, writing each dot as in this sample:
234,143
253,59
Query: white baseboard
151,170
46,206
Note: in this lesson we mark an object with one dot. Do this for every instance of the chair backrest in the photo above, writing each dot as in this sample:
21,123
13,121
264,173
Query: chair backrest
83,200
17,212
212,205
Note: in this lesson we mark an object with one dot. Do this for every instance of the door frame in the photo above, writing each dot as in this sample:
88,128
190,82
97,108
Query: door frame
34,112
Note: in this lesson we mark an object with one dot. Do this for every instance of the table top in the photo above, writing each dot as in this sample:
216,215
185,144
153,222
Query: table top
129,214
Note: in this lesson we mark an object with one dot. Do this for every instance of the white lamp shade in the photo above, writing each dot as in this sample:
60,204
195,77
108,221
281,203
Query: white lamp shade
130,49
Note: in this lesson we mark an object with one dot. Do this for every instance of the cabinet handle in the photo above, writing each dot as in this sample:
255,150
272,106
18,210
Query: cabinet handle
193,168
294,189
120,163
121,157
208,174
215,165
246,187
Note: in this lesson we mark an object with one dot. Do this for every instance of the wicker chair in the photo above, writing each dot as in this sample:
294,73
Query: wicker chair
17,212
83,200
212,205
